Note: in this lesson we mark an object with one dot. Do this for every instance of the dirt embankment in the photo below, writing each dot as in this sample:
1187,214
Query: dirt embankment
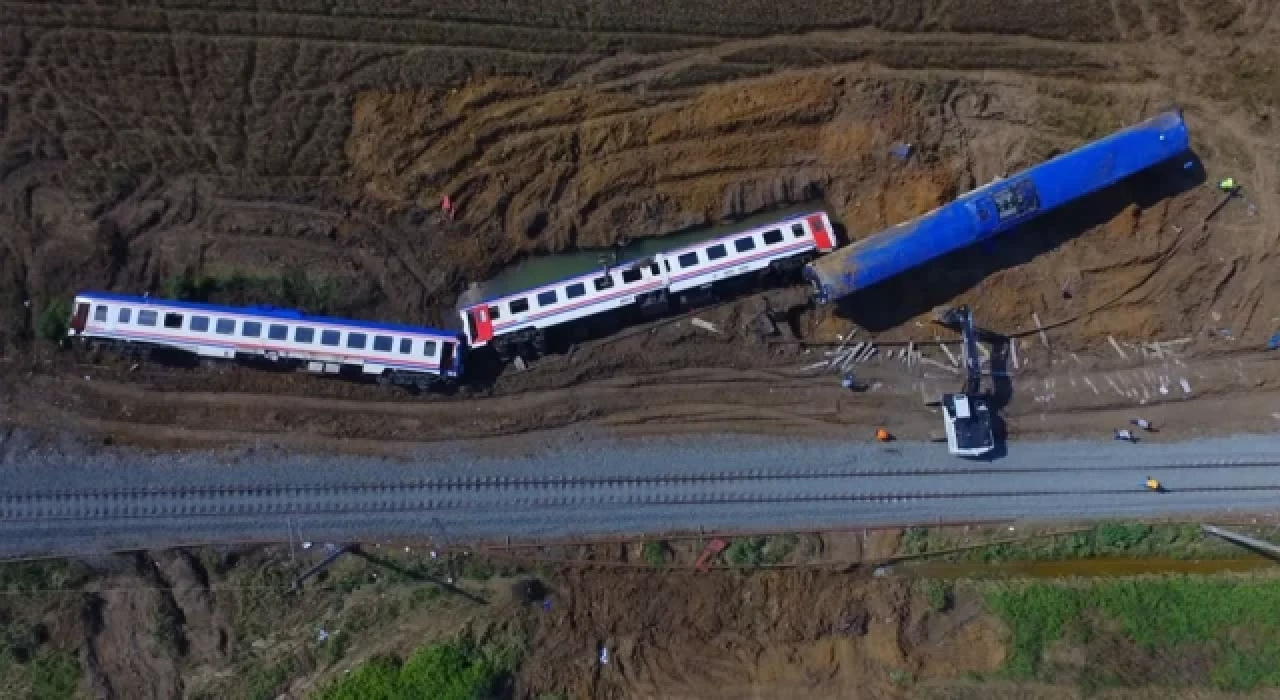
223,624
323,143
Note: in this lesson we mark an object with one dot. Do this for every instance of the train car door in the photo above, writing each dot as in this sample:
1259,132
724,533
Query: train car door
481,325
81,317
446,358
821,236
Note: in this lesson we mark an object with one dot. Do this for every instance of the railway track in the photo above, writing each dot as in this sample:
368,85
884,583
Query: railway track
750,486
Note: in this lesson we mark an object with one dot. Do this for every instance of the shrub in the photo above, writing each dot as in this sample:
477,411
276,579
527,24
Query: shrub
749,552
447,671
52,324
655,554
265,684
745,552
55,676
939,595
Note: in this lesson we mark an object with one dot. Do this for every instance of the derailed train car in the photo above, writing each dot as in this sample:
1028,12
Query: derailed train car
998,207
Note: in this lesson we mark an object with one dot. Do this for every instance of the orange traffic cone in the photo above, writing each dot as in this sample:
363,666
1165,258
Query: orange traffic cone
883,435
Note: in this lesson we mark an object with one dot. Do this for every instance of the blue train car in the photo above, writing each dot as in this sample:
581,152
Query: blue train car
999,206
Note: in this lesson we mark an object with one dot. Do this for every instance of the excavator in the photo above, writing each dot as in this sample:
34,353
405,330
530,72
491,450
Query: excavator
967,414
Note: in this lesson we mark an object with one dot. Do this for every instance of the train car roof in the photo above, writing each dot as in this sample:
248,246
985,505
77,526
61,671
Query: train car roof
264,311
541,270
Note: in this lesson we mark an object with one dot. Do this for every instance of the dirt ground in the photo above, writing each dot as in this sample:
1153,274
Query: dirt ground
671,633
268,142
813,618
142,142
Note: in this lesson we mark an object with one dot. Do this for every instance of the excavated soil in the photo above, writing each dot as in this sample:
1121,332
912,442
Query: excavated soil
670,634
141,143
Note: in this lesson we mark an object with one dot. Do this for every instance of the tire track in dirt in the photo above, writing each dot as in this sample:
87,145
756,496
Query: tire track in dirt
653,135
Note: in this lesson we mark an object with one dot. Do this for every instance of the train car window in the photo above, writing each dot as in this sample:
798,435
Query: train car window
632,274
429,348
225,326
797,230
382,343
688,259
406,344
200,324
330,338
667,264
356,341
653,267
772,237
277,332
602,283
172,320
125,315
716,252
304,335
575,290
100,313
519,306
495,313
744,244
251,329
147,318
547,298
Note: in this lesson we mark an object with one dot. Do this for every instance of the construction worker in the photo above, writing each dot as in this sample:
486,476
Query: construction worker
1125,435
1143,424
1227,184
847,380
1154,485
883,435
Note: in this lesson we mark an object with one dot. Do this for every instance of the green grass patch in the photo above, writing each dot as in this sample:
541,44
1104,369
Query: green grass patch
55,676
457,670
261,595
294,289
1238,620
1106,540
266,683
34,577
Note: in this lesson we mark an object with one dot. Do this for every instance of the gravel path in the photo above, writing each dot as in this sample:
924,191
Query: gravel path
53,503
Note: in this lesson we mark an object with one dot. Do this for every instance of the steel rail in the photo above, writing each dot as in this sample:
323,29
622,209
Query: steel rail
475,483
49,512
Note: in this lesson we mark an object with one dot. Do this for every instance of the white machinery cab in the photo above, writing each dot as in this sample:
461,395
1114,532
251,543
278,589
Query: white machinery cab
967,418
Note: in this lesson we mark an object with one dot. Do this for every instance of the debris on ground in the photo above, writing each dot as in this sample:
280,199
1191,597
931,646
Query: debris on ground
705,325
1044,338
1119,351
950,355
1126,436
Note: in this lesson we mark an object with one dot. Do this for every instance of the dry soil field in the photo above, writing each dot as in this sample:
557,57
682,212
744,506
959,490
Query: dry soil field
315,140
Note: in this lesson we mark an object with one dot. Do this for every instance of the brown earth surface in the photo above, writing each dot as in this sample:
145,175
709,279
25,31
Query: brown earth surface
143,142
223,622
139,142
